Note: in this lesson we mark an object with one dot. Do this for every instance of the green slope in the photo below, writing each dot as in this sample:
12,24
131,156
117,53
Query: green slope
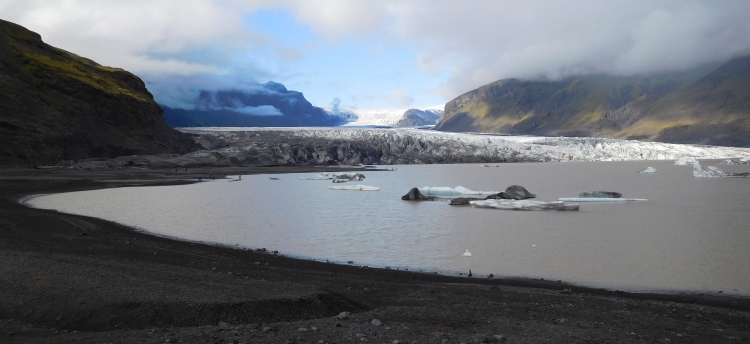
709,104
56,105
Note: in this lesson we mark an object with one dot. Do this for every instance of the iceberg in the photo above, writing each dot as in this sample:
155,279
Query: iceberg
686,160
513,192
648,170
449,191
737,162
349,176
357,187
415,195
319,176
715,172
509,204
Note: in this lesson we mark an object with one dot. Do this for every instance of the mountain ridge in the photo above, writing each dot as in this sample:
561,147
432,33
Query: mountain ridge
56,105
269,105
704,105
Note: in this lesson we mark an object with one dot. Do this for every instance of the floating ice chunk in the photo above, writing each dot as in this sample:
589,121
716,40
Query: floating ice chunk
686,160
357,187
603,199
448,191
349,176
600,194
525,204
713,171
737,162
319,176
467,253
648,170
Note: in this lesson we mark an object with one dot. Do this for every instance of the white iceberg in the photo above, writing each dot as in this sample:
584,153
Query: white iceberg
509,204
715,172
319,176
449,191
648,170
357,187
686,160
742,161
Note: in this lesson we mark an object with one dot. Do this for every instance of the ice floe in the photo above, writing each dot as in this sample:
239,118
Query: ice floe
600,194
603,199
449,191
509,204
714,172
357,187
319,176
648,170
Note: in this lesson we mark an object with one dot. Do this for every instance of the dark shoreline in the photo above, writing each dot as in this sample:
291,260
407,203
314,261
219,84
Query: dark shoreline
123,278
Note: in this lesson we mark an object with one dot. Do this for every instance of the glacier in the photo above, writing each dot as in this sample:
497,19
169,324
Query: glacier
354,146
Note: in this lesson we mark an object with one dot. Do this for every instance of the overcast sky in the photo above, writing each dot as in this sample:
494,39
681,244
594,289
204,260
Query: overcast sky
382,53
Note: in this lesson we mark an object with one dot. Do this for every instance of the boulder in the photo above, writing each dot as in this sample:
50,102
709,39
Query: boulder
415,195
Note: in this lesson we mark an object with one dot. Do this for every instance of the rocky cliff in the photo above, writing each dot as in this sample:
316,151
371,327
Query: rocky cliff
266,105
55,105
705,105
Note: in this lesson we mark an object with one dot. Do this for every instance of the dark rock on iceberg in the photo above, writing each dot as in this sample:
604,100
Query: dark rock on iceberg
600,194
463,200
415,195
516,192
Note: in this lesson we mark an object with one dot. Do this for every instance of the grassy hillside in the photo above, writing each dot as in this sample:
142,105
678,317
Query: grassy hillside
56,105
708,105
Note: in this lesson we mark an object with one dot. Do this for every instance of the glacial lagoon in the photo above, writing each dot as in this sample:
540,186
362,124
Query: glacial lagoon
692,235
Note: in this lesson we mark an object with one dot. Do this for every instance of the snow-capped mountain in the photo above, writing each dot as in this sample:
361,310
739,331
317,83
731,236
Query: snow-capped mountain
379,117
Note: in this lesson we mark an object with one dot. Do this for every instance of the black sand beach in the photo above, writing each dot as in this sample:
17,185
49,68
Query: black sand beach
74,279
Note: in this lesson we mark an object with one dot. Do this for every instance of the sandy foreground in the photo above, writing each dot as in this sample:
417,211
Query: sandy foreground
74,279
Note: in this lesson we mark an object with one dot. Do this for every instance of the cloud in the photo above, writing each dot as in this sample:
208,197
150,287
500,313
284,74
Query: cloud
340,19
482,41
467,44
263,110
133,34
399,98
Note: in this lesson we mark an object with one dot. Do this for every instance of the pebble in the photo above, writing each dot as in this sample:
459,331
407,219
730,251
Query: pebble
302,329
376,322
343,315
314,329
499,337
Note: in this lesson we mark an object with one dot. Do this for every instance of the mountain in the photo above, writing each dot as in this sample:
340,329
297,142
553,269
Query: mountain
416,117
266,105
705,105
390,117
55,105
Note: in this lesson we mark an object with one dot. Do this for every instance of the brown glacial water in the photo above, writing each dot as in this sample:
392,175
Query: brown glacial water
693,234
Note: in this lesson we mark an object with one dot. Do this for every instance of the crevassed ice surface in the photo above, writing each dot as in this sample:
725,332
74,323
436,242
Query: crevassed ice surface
493,146
692,234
